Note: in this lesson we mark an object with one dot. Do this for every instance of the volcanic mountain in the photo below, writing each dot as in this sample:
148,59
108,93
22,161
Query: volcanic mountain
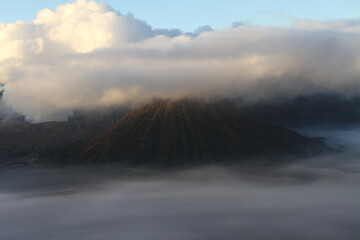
167,132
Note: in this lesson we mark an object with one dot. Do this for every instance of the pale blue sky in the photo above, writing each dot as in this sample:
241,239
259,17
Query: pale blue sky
189,14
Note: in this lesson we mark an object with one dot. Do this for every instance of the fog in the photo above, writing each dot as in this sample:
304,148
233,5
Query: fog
317,198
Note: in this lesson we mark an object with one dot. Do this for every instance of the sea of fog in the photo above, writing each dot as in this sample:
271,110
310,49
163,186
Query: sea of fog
317,198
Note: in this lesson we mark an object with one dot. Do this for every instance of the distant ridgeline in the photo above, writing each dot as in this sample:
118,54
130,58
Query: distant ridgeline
312,110
161,133
23,141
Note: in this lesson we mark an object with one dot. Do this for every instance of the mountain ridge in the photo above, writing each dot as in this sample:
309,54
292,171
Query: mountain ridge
170,132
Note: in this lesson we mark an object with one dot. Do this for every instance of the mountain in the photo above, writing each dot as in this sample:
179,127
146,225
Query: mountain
21,139
309,110
167,132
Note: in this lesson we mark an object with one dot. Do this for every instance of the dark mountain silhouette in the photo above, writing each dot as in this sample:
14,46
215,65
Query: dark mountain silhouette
19,138
180,132
310,110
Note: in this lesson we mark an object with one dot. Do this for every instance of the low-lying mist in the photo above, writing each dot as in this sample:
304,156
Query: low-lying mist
317,198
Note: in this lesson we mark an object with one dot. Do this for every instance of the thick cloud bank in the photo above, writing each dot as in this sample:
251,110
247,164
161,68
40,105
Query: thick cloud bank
86,54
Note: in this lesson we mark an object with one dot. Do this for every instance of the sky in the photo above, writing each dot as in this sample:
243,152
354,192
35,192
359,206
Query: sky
187,15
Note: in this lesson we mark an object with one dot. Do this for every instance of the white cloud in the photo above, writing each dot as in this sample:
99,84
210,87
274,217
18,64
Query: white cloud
345,25
86,54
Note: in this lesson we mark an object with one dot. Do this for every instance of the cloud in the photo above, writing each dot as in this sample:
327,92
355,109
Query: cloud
86,54
237,24
345,25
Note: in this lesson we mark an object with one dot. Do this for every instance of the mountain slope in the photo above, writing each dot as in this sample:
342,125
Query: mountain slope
19,138
310,110
175,132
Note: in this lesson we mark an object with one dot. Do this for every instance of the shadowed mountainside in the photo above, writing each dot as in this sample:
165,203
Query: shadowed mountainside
168,132
19,138
312,110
